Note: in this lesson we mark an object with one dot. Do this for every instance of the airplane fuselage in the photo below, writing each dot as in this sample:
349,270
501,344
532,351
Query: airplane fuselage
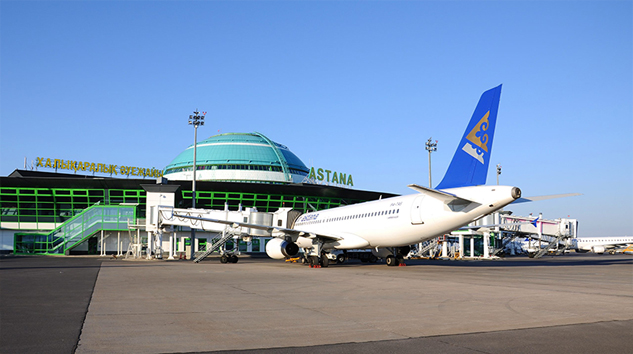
404,220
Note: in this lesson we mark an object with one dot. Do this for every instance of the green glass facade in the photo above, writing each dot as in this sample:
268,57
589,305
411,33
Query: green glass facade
263,202
35,204
53,205
56,205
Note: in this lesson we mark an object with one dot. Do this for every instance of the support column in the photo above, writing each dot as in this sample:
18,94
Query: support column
102,252
461,246
171,246
150,245
486,240
139,247
472,246
159,244
445,248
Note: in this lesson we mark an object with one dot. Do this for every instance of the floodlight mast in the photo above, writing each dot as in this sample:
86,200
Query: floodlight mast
196,119
430,147
498,172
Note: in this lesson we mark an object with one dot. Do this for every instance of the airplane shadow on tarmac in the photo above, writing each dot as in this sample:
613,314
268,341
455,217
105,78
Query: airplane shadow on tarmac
550,261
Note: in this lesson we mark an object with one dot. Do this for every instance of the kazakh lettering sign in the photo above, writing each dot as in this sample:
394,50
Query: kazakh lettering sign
98,167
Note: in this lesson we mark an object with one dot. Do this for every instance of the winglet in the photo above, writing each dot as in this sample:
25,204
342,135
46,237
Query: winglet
535,220
469,166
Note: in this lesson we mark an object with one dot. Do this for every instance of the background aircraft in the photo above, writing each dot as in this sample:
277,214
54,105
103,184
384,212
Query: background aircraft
601,244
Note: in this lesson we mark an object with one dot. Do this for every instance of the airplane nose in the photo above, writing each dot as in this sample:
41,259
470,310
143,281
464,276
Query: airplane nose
516,193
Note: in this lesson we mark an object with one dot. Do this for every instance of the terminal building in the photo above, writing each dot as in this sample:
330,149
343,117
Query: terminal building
46,212
100,215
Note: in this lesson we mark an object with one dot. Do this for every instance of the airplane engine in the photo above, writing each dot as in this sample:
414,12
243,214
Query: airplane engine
598,249
278,248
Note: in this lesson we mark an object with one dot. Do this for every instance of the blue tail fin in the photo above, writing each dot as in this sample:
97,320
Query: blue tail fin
469,166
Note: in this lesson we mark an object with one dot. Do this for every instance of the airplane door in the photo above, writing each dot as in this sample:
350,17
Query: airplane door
416,210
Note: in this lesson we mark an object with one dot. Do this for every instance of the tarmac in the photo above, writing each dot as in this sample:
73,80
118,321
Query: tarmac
576,303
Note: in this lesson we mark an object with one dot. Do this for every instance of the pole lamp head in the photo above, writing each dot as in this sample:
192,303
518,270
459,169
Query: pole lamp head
430,146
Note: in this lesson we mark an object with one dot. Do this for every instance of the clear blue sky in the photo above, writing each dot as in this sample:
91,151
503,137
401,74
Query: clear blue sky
356,87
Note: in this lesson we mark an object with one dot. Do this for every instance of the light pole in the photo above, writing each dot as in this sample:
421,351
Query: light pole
498,173
430,147
196,119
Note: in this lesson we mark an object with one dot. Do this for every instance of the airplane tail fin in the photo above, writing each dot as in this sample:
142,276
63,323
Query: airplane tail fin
469,166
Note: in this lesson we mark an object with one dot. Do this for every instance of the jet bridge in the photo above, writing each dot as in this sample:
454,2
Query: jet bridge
542,235
162,216
503,232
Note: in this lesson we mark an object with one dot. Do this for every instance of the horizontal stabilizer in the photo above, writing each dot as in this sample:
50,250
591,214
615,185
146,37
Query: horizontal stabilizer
443,196
544,197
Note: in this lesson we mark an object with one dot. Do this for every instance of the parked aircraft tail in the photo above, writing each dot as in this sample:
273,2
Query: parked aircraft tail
469,166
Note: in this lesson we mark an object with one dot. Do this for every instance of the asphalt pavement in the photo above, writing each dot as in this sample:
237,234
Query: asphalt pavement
566,304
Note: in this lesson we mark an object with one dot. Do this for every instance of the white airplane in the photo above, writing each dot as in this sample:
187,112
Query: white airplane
601,244
389,226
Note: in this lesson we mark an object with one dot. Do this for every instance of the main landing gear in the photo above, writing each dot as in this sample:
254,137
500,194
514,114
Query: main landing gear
394,261
317,262
397,258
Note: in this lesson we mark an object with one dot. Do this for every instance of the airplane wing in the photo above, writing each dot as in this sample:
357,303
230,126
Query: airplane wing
271,229
544,197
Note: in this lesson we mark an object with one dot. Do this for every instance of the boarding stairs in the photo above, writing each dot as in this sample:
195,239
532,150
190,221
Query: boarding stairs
429,246
506,241
82,226
135,246
545,249
228,234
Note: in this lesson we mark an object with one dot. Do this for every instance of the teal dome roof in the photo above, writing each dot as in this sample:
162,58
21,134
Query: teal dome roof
239,151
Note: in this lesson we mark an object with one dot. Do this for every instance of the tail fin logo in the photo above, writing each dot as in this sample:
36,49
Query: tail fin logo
479,137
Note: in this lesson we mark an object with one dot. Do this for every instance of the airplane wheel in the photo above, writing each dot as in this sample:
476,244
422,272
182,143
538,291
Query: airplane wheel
340,258
391,261
224,258
325,261
233,259
373,259
314,260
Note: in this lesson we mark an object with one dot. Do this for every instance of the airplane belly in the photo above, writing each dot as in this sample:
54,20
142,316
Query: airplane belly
304,242
350,241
